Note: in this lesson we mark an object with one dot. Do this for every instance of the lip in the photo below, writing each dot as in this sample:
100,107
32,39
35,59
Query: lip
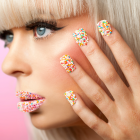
29,101
25,95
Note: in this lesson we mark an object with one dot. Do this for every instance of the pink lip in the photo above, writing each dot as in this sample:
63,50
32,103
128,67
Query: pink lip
29,101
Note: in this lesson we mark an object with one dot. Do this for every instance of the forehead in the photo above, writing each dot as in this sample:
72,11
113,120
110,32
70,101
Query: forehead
16,13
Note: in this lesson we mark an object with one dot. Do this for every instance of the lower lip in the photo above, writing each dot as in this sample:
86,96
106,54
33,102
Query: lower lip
29,106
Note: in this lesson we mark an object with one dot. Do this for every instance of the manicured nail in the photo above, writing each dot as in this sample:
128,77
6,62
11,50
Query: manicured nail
70,96
81,37
67,63
104,27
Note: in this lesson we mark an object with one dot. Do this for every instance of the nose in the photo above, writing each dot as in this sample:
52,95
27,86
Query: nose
17,60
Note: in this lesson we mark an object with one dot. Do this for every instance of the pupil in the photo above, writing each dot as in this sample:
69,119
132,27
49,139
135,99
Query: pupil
40,30
9,38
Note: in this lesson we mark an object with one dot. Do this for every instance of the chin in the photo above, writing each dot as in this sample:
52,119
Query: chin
41,122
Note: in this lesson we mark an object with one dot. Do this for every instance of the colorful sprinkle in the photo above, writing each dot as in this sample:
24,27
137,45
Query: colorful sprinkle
29,101
29,106
104,27
24,95
67,63
70,96
81,37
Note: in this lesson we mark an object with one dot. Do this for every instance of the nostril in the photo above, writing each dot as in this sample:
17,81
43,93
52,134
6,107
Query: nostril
16,73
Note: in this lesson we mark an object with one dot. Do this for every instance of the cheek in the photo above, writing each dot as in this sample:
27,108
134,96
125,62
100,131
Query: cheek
54,72
57,74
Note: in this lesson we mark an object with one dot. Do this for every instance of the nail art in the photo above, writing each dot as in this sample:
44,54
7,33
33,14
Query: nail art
104,27
70,96
81,37
67,63
29,106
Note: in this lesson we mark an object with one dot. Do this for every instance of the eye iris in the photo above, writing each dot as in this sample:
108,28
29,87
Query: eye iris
40,30
9,38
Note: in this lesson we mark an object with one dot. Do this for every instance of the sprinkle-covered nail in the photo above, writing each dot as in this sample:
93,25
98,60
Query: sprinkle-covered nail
70,96
67,63
29,106
81,37
104,27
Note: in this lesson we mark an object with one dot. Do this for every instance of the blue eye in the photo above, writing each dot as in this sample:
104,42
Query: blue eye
41,32
9,38
40,29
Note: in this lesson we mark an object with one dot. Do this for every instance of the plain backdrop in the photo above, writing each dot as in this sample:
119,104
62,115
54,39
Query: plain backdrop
13,123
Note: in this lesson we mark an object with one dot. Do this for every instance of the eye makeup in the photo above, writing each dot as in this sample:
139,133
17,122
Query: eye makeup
32,25
3,35
42,23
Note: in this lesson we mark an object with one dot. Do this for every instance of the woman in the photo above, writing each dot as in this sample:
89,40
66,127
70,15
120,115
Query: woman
101,76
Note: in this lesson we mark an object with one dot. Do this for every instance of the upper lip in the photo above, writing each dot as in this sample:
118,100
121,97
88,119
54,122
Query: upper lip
25,95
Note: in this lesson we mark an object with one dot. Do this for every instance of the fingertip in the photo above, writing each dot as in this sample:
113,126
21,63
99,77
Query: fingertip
104,28
71,97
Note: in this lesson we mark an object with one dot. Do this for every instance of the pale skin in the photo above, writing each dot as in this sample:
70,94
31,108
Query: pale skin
36,66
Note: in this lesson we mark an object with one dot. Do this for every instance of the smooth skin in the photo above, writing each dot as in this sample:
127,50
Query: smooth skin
36,66
123,114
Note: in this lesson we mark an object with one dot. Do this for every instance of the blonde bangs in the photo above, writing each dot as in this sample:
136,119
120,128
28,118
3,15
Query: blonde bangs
16,13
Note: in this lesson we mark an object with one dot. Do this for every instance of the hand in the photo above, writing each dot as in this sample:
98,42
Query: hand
123,114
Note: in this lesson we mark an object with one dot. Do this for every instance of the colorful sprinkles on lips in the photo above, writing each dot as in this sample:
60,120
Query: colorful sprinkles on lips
81,37
29,101
67,63
104,27
70,96
24,95
29,106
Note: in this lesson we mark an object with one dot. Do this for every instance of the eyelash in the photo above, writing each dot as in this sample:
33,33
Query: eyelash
32,26
51,26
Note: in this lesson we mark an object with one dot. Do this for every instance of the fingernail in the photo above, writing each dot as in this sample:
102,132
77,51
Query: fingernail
81,37
104,27
71,97
67,63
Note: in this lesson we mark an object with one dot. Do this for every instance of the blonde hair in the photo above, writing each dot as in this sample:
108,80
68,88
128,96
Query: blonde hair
123,15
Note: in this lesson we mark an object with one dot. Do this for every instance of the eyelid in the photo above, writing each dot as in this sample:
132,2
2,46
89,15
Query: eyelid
3,36
51,25
4,33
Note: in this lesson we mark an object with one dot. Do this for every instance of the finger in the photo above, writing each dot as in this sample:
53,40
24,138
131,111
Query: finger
95,93
124,57
106,72
89,118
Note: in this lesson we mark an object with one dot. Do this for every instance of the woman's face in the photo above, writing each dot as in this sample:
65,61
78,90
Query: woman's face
36,65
